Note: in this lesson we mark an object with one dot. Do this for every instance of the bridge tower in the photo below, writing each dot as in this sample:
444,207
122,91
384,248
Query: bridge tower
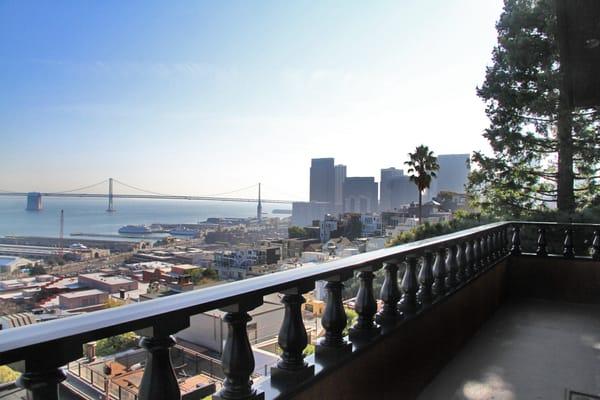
34,201
110,208
259,207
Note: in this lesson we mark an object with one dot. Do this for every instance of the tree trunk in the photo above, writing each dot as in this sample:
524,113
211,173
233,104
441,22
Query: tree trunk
565,194
420,206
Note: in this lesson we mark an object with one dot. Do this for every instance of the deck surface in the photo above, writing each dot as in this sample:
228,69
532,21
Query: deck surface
531,349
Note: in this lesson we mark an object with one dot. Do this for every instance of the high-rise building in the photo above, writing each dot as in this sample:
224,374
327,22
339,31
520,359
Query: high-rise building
360,195
322,180
385,187
453,174
402,192
340,177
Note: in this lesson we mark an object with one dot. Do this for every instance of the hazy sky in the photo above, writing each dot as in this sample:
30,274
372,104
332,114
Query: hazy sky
205,97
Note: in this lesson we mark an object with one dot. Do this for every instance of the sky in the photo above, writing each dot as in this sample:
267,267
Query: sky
205,97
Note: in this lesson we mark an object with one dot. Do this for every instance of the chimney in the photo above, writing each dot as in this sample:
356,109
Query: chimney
90,351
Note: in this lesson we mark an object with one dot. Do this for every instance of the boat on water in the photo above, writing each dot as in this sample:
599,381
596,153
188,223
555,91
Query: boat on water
183,231
135,229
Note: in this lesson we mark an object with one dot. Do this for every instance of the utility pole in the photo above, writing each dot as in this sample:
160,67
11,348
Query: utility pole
61,235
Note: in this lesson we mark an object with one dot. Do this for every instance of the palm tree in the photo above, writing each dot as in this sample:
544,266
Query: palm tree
422,167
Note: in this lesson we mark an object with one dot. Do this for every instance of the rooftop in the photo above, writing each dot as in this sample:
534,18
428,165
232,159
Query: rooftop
83,293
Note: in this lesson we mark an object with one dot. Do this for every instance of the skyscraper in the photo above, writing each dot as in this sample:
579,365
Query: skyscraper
360,195
388,176
322,180
453,174
340,177
402,192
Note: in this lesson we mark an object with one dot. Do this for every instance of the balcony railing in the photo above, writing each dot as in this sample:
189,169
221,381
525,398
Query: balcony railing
436,269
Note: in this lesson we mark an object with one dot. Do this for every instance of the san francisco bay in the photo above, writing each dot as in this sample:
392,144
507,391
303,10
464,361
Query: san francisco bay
89,215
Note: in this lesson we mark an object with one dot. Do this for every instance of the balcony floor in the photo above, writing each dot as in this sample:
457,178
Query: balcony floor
530,349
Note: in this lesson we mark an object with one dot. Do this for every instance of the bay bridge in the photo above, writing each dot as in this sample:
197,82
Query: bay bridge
34,199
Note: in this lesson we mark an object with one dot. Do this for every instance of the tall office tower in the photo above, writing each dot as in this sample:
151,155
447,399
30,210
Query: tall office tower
402,192
340,177
322,180
453,174
385,187
360,195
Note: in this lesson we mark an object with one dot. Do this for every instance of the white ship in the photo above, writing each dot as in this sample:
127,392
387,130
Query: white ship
135,229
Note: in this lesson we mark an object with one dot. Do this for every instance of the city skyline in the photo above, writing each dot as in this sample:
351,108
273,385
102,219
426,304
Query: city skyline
207,98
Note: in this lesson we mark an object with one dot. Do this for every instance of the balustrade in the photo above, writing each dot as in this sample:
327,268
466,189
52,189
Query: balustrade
446,265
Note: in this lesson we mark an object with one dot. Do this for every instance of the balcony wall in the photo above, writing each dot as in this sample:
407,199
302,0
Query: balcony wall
400,364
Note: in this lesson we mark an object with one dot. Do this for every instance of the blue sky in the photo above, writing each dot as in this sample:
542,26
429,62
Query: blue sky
192,97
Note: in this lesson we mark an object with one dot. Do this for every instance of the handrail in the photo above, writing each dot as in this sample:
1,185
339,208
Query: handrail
100,324
539,223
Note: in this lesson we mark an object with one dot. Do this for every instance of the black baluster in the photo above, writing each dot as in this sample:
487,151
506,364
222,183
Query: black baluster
596,246
468,259
451,268
41,384
568,250
237,357
515,248
542,244
390,295
159,380
485,256
491,243
425,279
408,302
293,338
439,274
334,320
476,256
365,307
43,372
460,264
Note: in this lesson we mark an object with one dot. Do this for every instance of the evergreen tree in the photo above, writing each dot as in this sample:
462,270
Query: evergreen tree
543,151
422,166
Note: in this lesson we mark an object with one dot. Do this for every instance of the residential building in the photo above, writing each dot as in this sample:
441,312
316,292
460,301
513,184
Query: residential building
107,282
327,227
82,299
209,330
360,195
371,224
322,180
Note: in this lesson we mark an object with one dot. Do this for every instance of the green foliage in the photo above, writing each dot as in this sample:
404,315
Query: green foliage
7,374
422,167
37,270
353,227
115,344
309,349
462,220
532,131
296,232
210,273
202,275
351,317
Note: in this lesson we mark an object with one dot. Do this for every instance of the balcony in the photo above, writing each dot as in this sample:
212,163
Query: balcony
482,313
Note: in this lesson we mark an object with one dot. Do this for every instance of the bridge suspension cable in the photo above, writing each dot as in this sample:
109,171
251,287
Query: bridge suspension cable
139,189
164,194
83,187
